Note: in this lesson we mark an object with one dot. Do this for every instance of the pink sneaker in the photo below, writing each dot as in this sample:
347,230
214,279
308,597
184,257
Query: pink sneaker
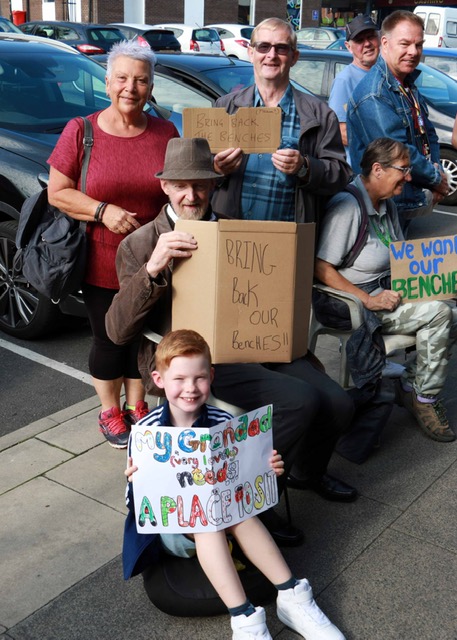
134,415
111,424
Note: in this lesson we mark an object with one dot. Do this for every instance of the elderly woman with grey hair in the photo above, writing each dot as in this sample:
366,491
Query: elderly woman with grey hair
121,195
385,170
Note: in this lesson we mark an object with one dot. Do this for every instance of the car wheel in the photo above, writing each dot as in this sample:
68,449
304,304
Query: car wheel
24,313
449,162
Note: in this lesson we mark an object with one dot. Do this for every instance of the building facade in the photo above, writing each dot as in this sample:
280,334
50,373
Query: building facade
303,13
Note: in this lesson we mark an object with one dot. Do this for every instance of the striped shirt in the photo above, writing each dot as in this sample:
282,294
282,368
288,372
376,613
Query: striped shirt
269,194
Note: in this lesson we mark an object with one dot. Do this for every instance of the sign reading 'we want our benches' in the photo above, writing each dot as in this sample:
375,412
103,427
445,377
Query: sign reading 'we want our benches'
424,269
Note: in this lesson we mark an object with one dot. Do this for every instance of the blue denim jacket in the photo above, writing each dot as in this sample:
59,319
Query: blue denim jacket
378,109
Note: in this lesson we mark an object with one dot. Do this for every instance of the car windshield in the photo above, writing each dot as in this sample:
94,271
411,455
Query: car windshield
231,79
439,89
206,35
109,36
41,92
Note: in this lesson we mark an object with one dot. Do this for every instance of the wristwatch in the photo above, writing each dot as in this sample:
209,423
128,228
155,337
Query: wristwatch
305,168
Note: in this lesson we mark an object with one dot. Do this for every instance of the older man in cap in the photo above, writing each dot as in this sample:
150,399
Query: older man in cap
362,40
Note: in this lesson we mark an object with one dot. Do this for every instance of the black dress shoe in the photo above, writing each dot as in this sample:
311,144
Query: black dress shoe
327,487
282,532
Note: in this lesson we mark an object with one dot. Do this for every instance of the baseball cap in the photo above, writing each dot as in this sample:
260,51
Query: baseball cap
359,24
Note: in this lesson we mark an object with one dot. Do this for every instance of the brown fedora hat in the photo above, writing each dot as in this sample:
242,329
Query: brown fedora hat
188,159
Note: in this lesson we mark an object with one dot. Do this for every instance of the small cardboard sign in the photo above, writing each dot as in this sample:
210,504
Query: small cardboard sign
253,129
203,479
424,269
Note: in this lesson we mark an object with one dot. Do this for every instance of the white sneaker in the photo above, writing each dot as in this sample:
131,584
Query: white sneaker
251,627
298,610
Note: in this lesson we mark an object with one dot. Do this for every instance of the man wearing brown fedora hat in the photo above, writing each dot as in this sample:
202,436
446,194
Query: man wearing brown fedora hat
143,259
144,267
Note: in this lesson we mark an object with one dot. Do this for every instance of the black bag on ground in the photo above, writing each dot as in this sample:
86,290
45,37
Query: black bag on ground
51,245
179,586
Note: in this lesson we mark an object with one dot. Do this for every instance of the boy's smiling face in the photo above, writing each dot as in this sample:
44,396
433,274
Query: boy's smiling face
187,385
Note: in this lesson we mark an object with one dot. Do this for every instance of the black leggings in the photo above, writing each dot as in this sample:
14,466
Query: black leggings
107,361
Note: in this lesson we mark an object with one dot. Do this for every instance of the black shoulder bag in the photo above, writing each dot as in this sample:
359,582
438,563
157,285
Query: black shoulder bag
52,245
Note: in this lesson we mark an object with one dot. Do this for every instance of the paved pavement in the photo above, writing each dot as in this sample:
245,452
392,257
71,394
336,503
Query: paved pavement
383,568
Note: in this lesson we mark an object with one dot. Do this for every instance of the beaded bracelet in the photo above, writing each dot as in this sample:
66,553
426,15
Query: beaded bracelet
99,211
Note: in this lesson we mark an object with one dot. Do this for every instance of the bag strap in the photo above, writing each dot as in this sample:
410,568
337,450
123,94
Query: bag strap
362,234
88,142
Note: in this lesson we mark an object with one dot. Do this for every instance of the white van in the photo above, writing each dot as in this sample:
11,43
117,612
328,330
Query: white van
440,25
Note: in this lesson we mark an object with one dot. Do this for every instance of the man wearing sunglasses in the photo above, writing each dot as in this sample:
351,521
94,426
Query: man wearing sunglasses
290,185
386,102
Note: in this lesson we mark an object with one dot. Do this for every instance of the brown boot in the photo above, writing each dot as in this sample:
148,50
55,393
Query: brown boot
431,418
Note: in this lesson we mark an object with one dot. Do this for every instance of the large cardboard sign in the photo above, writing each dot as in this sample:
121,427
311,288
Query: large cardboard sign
203,479
247,288
253,129
424,269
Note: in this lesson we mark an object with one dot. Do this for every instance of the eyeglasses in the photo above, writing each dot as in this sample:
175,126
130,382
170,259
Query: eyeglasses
281,49
405,170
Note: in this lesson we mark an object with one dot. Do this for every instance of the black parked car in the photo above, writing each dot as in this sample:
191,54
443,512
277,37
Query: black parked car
43,84
317,69
158,39
90,39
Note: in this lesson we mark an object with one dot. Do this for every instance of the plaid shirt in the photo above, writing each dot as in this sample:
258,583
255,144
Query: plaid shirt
269,194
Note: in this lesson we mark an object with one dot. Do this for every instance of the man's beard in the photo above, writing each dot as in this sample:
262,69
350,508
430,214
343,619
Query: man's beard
197,213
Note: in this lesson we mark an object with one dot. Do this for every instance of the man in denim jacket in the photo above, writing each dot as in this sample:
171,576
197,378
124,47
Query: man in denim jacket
386,103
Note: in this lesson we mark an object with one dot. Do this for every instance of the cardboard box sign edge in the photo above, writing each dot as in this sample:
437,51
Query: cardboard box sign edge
199,304
213,132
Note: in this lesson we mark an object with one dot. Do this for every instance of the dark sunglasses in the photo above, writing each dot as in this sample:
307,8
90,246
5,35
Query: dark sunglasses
264,47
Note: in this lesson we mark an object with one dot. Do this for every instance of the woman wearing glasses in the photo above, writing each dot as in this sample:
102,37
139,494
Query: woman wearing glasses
385,170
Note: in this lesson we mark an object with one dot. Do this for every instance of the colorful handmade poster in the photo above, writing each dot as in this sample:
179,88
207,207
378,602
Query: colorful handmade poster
203,479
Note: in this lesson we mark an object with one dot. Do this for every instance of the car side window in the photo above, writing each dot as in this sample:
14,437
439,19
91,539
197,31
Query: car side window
29,29
433,87
451,28
446,65
310,74
339,66
49,30
433,23
321,35
176,97
66,33
225,33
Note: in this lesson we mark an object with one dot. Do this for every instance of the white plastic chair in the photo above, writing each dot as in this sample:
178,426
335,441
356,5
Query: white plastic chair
392,342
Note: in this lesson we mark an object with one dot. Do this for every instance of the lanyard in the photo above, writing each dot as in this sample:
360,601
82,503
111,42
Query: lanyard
382,233
418,119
